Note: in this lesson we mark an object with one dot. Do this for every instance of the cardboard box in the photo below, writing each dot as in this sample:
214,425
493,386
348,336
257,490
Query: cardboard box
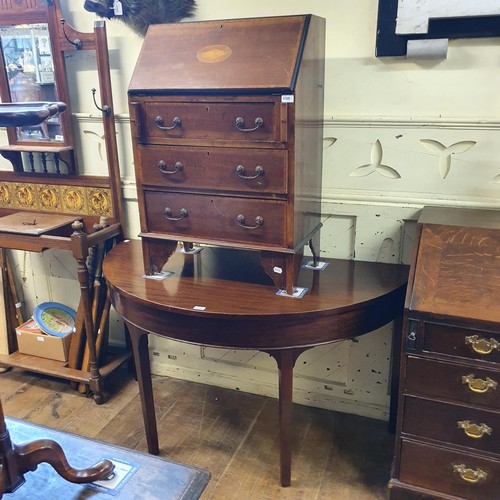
31,340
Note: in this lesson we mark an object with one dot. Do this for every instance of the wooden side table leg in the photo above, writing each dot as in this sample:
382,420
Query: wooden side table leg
139,341
285,416
285,358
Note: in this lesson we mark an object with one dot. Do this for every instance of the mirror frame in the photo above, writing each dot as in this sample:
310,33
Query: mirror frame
40,12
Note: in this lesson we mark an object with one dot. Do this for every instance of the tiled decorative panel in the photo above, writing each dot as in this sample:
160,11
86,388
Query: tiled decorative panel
56,198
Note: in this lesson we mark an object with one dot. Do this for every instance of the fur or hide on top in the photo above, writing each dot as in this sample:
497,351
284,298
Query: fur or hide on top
139,14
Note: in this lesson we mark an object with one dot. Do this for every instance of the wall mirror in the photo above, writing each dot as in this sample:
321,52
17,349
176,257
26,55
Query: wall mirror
33,69
28,63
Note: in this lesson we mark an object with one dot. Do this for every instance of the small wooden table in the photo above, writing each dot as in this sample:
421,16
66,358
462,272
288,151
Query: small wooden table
222,298
153,478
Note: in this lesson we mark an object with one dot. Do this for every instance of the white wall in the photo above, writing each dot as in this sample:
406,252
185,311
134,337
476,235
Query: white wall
399,134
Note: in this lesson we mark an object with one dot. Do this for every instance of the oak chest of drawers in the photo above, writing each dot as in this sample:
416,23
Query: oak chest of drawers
227,129
448,433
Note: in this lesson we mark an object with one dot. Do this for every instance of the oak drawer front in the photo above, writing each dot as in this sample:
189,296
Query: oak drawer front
213,121
452,382
216,217
479,429
462,342
231,169
450,472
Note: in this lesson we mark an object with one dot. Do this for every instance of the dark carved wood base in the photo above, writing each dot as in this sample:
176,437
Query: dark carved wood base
16,460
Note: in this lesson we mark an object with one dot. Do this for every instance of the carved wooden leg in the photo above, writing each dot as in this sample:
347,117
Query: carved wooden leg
30,455
139,341
18,459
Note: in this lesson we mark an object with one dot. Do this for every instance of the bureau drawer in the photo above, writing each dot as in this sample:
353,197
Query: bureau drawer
449,472
452,382
216,218
161,122
236,169
462,342
465,426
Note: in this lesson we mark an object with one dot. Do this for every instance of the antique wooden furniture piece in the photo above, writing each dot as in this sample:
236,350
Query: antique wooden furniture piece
37,185
154,478
227,134
223,298
16,460
449,411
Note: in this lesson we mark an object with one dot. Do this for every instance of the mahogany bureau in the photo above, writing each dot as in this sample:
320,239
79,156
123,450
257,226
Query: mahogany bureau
448,432
227,130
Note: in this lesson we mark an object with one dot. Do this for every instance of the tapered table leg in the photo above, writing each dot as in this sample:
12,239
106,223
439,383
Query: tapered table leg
285,358
139,341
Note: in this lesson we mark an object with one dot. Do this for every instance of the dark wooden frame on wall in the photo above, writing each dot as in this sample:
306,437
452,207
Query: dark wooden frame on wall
388,43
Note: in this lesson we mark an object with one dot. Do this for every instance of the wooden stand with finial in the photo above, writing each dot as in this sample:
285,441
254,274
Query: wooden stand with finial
16,460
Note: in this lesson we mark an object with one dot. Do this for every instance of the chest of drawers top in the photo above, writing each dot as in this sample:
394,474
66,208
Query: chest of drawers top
457,267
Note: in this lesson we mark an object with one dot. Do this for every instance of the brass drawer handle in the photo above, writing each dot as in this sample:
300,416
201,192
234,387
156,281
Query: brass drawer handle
240,171
241,222
176,122
482,345
167,213
162,167
240,124
473,430
470,475
478,384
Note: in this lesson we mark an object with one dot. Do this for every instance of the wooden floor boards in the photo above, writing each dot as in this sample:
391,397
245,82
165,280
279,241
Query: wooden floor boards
232,434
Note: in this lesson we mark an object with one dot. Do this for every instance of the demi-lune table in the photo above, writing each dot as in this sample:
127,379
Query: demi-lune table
221,297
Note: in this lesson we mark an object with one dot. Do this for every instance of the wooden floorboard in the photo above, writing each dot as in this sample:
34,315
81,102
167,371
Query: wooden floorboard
232,434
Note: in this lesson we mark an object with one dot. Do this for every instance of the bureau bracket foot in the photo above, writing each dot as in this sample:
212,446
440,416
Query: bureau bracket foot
282,268
156,253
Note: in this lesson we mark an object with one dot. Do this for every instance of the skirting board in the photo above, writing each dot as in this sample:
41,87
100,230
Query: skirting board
246,384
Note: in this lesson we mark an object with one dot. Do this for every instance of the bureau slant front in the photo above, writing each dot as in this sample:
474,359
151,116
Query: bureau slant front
227,130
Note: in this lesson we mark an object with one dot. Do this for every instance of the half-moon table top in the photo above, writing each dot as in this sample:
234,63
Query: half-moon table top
19,114
222,297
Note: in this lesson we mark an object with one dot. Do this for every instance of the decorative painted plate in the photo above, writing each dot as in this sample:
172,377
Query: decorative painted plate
54,318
